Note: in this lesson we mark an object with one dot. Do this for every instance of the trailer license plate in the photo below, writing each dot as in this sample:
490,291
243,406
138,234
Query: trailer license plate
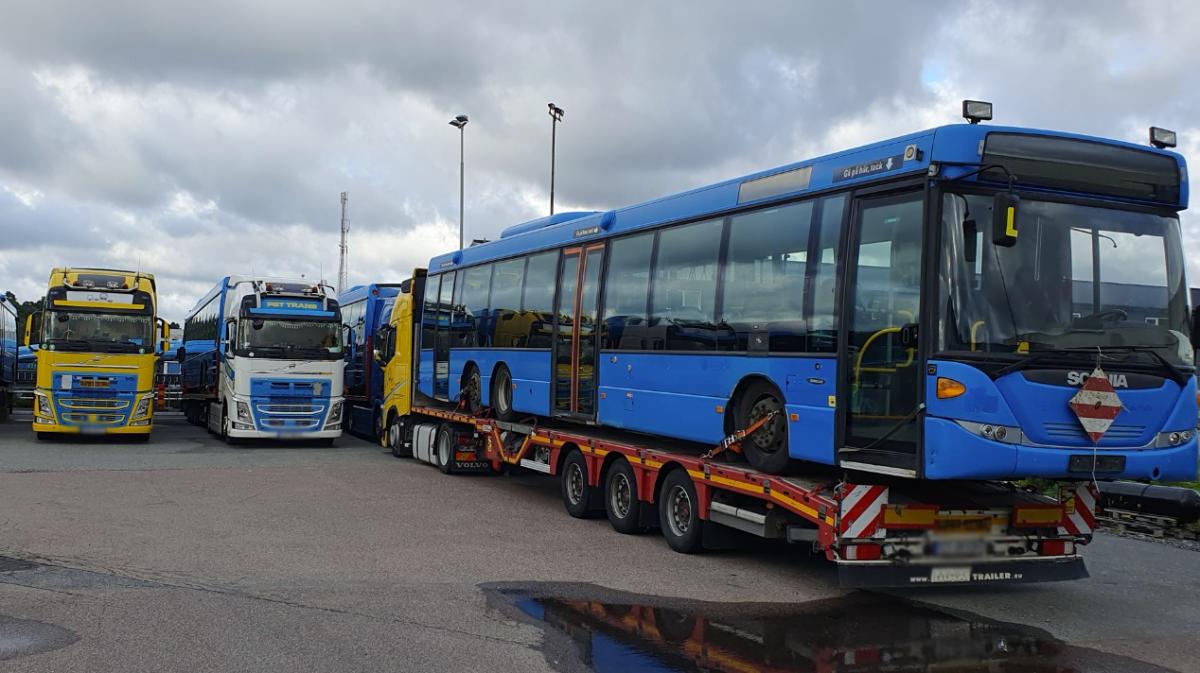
959,548
950,574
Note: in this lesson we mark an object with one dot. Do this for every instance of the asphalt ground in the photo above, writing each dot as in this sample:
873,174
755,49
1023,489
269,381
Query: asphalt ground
184,554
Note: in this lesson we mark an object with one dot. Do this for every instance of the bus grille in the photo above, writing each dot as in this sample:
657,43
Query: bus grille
1074,432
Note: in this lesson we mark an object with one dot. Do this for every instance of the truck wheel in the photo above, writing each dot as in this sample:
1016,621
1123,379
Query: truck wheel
139,439
443,454
577,496
679,513
767,448
42,436
394,438
502,394
226,422
620,498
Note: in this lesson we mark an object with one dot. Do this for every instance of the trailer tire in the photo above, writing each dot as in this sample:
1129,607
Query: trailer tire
501,397
679,513
577,496
767,448
443,449
620,498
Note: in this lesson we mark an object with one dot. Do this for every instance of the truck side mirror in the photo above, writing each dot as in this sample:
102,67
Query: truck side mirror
1005,226
33,329
1196,328
180,355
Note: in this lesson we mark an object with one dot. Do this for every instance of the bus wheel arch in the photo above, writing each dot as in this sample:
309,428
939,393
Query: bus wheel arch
470,391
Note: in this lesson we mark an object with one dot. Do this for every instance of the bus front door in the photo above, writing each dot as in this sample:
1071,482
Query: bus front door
880,369
575,332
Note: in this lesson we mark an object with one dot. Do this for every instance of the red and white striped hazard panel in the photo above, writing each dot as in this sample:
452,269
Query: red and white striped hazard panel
861,512
1079,510
1096,405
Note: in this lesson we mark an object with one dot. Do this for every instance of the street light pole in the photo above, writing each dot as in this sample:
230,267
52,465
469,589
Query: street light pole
556,115
460,122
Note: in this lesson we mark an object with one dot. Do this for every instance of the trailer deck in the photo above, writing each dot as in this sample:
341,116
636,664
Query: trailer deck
880,531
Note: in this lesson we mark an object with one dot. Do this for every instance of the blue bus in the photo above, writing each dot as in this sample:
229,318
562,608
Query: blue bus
926,307
365,308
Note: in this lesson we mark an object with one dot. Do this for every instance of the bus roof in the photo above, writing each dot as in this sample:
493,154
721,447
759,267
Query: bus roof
382,290
912,154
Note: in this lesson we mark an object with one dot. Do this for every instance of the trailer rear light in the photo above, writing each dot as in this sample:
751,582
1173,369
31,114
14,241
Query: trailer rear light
1056,547
949,388
863,552
1036,516
912,517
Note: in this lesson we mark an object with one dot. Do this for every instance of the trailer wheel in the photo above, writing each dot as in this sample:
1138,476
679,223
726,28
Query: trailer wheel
679,513
502,394
443,455
620,498
767,448
578,498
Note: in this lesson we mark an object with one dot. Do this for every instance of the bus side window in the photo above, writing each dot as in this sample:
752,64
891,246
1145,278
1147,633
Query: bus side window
537,306
764,279
506,303
626,285
822,327
683,311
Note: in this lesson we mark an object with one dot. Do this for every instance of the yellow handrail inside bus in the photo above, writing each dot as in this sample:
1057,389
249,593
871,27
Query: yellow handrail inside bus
859,369
974,330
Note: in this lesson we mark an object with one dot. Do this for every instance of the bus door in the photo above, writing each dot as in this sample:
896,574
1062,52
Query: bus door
575,332
880,368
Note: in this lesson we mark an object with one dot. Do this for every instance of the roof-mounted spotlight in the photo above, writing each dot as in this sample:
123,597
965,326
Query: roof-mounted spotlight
975,111
1162,138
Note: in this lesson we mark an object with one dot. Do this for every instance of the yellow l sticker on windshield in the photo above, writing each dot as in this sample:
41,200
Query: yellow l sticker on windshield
1023,347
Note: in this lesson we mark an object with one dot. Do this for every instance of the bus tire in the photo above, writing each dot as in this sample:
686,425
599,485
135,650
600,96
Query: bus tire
766,449
679,513
577,496
443,455
472,391
620,498
502,406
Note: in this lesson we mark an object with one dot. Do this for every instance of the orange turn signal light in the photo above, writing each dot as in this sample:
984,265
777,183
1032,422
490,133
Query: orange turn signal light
949,388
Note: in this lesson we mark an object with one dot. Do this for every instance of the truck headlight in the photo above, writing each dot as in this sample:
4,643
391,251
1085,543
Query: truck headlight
43,403
142,408
243,411
335,411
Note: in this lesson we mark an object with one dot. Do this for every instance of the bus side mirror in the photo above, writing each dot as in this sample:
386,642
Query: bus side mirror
1005,208
970,240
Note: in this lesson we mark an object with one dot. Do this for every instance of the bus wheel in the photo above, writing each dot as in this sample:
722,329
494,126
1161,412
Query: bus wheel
620,498
679,513
577,496
502,394
471,391
395,438
443,455
767,448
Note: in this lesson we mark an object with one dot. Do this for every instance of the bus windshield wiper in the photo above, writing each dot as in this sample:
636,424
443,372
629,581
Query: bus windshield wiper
1174,373
1034,357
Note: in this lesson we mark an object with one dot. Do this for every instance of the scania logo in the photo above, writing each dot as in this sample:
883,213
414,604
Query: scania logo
1077,379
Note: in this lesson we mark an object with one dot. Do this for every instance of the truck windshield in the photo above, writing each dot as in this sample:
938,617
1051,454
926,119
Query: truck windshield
1079,278
102,332
280,338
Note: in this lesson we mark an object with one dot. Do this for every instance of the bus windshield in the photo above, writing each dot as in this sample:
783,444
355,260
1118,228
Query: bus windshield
103,332
1080,278
281,338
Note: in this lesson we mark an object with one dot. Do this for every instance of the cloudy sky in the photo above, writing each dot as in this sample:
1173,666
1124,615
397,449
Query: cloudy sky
197,142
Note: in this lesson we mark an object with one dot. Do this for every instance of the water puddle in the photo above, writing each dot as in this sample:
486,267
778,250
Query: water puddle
23,637
588,628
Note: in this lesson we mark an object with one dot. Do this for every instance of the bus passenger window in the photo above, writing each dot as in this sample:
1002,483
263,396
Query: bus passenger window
822,329
764,279
506,303
624,324
685,288
537,308
477,280
429,312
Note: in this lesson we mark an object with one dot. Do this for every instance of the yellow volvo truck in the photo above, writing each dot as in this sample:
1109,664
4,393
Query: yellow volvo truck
393,350
98,340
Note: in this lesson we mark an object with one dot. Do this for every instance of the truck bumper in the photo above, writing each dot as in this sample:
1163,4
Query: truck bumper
881,574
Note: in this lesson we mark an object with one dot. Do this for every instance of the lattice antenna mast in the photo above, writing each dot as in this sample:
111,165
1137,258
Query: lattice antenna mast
341,279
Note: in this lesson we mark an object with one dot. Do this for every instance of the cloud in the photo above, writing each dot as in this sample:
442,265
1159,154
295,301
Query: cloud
211,139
